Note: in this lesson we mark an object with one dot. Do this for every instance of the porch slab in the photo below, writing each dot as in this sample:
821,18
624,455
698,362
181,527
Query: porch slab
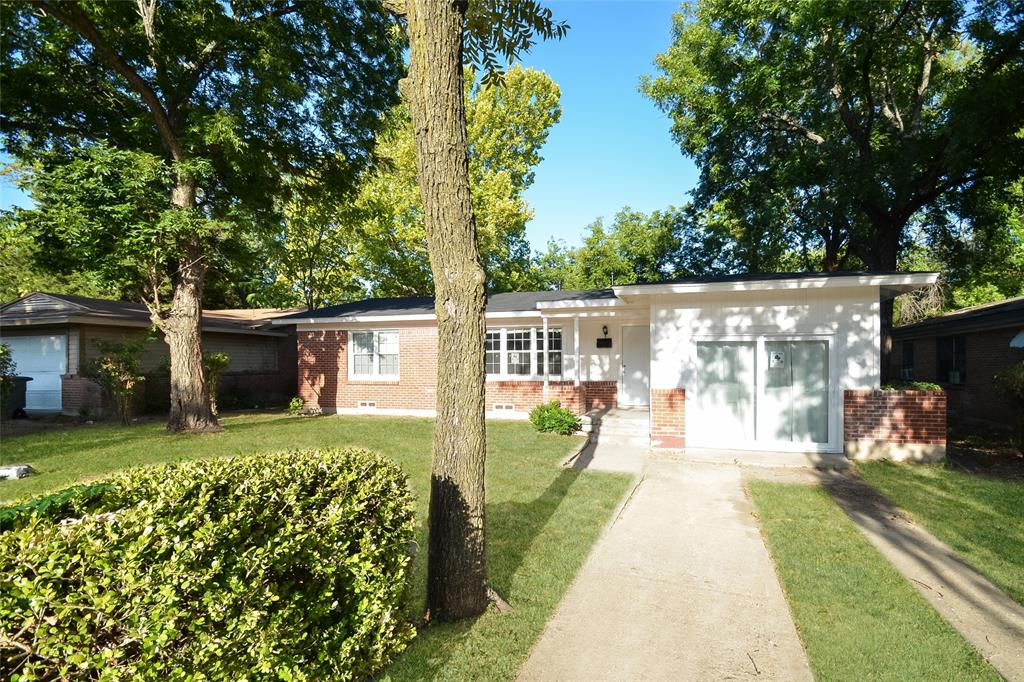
758,458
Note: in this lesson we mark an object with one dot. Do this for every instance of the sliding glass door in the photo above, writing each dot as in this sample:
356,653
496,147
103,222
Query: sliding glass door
763,393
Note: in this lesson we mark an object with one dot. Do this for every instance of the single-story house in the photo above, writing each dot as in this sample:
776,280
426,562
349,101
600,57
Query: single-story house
962,351
778,362
53,339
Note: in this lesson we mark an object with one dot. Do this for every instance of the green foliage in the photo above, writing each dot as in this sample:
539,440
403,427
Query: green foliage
8,370
552,417
289,565
1010,384
118,371
911,386
637,248
66,503
824,128
296,405
334,250
214,364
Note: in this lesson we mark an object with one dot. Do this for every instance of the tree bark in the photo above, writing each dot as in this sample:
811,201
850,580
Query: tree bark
191,410
456,571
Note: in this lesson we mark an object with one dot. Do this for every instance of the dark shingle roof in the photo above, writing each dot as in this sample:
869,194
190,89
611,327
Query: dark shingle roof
513,301
1008,313
37,308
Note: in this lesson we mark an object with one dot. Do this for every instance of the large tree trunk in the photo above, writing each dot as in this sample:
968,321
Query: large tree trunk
884,258
182,327
456,573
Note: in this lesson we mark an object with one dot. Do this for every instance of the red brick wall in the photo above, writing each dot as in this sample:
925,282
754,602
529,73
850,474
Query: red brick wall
77,392
895,416
324,383
323,372
668,418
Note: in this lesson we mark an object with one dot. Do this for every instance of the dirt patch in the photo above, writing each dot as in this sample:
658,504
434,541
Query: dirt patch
986,451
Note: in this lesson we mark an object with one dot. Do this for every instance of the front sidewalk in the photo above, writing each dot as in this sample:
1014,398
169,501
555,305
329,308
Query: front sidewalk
680,586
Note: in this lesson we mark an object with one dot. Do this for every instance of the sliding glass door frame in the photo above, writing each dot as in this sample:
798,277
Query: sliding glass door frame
834,443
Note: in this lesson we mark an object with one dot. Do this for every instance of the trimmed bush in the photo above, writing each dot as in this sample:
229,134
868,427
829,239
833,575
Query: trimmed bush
911,386
288,566
554,418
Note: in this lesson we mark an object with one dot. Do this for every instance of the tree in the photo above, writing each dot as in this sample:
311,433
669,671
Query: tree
221,103
847,119
375,241
637,248
435,92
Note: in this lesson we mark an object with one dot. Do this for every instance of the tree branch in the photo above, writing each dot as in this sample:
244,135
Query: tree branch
396,7
790,124
77,20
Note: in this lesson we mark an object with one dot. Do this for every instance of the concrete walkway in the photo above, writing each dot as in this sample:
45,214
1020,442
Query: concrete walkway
981,612
679,587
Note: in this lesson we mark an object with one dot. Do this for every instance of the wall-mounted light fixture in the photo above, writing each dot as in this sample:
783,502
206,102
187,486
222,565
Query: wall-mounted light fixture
604,330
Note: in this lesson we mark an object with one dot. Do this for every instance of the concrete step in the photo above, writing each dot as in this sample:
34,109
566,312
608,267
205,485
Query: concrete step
613,440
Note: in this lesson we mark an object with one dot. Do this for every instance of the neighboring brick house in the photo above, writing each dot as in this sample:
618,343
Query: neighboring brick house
962,351
53,339
756,362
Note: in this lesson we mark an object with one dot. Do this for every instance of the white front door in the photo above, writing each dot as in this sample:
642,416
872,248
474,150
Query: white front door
635,383
44,358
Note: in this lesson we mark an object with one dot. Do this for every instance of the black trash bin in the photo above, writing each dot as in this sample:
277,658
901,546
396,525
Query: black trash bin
15,400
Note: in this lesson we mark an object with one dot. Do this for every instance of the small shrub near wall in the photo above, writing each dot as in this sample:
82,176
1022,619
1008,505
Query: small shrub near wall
552,417
275,566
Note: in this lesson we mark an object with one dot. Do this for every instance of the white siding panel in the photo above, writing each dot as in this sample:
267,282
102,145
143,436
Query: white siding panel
849,316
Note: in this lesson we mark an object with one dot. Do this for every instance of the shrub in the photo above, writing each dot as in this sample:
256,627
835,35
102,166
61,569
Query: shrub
911,386
296,405
287,565
8,370
1010,383
214,365
117,371
553,417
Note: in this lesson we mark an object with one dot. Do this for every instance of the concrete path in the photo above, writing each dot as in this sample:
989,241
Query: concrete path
679,587
980,611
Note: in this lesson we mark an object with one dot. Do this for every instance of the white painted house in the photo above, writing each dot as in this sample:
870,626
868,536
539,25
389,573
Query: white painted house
753,362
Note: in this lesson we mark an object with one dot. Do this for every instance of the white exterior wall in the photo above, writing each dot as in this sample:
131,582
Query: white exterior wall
850,316
604,364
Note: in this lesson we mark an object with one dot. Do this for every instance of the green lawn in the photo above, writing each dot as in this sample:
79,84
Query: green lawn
541,519
981,518
858,618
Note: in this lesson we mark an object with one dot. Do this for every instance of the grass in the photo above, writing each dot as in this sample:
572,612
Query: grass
857,616
981,518
541,519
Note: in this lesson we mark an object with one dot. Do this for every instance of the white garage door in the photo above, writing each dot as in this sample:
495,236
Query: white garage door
44,358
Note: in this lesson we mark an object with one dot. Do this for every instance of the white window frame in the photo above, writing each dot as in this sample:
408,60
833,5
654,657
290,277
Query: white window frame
375,375
536,373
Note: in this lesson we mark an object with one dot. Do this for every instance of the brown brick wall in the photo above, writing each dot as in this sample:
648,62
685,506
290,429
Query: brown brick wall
988,353
78,392
895,416
323,378
668,418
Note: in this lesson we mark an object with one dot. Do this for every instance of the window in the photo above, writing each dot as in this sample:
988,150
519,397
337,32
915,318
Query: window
907,363
374,354
492,352
952,353
520,352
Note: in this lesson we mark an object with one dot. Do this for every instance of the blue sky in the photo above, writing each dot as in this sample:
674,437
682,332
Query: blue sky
612,147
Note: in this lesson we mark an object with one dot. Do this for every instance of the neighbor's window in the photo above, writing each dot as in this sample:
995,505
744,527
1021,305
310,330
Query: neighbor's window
907,365
952,352
375,354
520,352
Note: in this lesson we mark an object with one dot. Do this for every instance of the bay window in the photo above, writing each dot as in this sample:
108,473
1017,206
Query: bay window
374,355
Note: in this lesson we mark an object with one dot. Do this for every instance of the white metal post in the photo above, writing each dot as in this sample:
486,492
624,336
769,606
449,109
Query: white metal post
576,346
546,342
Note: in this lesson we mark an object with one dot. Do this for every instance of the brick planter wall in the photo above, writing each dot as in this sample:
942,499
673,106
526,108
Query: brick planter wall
895,425
668,418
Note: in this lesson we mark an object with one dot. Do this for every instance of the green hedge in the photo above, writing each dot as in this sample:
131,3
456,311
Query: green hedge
553,417
911,386
274,566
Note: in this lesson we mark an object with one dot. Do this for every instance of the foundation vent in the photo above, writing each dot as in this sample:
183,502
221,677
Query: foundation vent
368,404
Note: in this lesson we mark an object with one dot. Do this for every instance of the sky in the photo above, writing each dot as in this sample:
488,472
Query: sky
612,147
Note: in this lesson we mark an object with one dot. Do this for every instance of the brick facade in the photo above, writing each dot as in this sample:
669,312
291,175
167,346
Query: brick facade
324,381
78,394
894,424
668,418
